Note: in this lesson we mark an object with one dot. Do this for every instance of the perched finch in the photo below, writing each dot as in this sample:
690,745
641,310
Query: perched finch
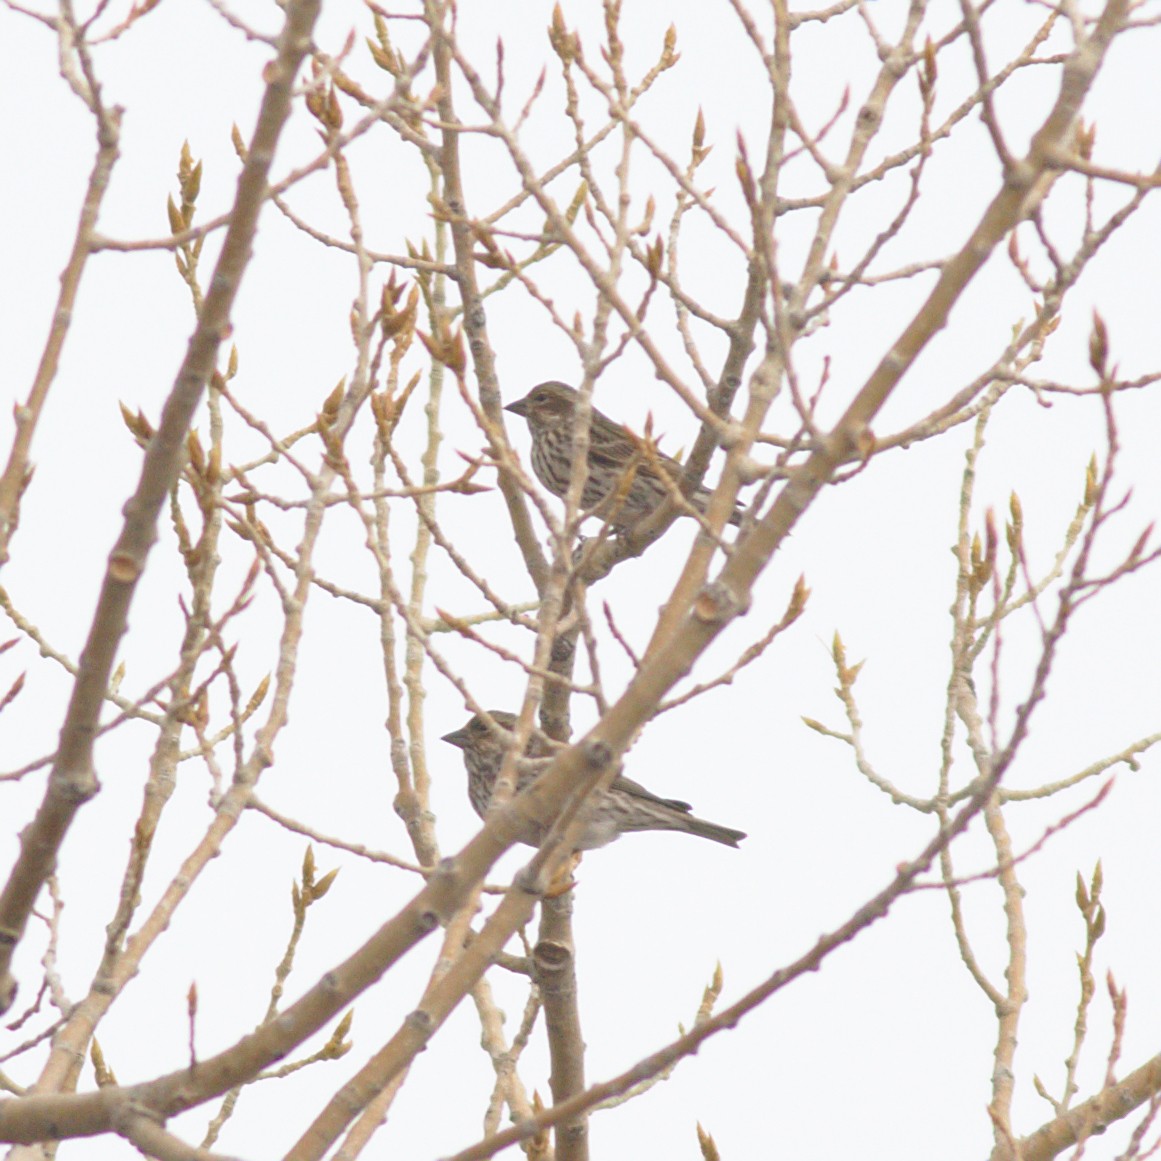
614,453
625,806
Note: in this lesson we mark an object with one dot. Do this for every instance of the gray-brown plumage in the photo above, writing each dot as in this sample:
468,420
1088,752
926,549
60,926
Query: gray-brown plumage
624,807
550,412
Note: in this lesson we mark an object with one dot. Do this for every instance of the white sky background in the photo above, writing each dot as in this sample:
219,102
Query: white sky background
887,1051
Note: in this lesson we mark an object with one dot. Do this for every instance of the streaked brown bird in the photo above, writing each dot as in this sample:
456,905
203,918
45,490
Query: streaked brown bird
614,452
624,807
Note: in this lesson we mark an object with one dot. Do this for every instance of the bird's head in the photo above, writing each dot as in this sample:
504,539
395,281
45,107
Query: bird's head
546,404
476,730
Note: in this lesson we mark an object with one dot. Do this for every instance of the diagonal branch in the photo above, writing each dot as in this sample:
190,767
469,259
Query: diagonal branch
474,317
1093,1116
16,473
73,781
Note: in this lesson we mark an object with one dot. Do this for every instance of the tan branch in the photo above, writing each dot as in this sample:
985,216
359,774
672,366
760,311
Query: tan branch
554,969
73,780
1092,1116
17,472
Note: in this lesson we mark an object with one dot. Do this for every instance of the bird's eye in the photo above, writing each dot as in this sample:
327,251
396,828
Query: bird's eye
541,396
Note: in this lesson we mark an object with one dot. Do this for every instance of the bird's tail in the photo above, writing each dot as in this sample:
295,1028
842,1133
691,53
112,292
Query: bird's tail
710,830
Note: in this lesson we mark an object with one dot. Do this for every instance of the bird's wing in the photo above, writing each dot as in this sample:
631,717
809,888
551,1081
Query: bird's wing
628,786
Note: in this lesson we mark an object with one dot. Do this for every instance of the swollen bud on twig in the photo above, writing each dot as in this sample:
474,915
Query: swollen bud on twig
189,175
847,674
798,600
646,223
1084,139
383,54
13,692
330,407
337,1044
446,347
715,986
323,885
709,1150
197,457
392,320
564,44
104,1074
929,72
176,225
189,184
1015,528
491,255
1098,346
257,697
865,444
745,175
323,103
138,425
654,255
578,200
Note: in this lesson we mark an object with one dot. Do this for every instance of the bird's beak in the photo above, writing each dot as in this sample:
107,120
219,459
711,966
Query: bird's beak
457,737
520,407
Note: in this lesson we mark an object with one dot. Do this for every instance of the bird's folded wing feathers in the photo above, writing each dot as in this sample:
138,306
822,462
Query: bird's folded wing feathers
638,791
